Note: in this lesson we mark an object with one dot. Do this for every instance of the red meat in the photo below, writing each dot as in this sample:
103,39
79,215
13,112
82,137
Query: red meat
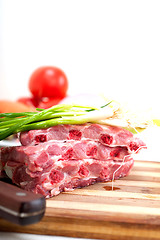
65,157
67,175
107,135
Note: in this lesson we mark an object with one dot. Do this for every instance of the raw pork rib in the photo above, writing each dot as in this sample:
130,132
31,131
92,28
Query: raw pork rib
108,135
65,157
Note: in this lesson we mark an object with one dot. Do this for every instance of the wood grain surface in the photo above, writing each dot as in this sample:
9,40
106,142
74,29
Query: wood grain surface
130,211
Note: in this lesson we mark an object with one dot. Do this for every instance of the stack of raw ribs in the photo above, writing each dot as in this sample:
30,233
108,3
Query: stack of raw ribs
65,157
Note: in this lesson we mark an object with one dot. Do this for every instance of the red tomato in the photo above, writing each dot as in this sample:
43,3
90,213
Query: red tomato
48,81
48,102
29,101
39,103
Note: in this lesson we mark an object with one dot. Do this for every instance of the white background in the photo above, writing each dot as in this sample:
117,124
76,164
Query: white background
107,47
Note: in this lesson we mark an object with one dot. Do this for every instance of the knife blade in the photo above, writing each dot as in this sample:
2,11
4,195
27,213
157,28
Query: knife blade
20,206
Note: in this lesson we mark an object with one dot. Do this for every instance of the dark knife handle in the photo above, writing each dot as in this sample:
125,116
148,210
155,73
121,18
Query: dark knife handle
20,206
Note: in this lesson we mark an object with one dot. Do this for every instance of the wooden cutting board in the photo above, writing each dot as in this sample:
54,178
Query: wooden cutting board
130,211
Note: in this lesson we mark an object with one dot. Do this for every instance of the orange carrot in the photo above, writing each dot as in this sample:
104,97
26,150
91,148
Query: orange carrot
7,106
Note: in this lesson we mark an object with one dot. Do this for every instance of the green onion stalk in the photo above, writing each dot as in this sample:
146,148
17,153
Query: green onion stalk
13,123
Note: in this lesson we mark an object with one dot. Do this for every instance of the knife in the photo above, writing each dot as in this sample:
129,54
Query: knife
20,206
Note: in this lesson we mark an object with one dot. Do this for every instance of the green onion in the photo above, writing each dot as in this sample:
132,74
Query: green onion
156,122
11,123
